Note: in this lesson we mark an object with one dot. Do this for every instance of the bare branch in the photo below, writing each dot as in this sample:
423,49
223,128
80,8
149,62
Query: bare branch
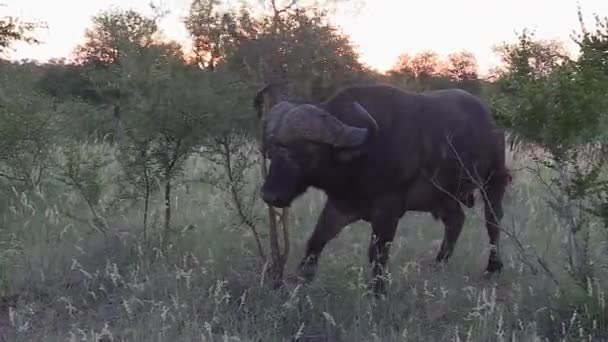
277,11
13,178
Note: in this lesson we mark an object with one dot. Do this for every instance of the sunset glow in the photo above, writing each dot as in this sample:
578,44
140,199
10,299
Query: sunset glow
381,29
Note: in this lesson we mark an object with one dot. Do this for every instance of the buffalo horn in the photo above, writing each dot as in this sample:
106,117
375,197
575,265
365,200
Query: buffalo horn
309,122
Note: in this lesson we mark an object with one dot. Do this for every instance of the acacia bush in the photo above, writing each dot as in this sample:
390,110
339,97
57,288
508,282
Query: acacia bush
557,105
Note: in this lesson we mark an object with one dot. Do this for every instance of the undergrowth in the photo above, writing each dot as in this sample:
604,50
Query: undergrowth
61,280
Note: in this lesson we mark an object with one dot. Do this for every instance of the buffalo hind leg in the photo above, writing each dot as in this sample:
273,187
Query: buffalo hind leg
384,227
494,193
329,225
452,216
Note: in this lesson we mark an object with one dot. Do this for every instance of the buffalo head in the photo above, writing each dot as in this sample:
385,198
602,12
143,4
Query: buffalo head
303,140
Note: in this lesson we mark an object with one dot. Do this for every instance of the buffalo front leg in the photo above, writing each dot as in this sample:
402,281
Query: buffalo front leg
329,225
452,216
384,226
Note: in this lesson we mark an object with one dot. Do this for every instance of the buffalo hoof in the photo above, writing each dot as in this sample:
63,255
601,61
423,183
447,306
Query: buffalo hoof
494,267
307,269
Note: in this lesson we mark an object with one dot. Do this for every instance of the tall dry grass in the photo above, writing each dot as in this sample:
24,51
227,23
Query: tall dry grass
60,280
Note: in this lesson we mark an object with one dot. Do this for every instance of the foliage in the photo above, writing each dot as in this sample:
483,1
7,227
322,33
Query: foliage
115,33
30,123
539,56
311,53
158,104
214,34
82,170
15,30
558,104
64,81
422,65
462,66
427,70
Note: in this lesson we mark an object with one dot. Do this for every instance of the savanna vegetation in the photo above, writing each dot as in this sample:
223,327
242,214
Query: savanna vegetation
129,174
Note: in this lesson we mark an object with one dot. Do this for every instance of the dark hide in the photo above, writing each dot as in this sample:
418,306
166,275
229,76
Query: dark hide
430,152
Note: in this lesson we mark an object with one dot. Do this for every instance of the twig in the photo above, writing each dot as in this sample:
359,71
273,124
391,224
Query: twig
282,10
13,178
227,163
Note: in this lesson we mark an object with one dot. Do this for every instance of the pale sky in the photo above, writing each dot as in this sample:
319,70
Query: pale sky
381,29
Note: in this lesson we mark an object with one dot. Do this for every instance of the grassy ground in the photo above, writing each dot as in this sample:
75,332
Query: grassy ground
60,280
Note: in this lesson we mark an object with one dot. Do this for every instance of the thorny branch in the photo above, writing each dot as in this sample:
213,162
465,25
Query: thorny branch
232,179
221,152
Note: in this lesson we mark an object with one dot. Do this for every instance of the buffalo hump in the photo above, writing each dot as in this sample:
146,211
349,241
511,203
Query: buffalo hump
434,133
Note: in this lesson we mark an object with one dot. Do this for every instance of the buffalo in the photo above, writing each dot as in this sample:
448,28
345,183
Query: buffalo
377,152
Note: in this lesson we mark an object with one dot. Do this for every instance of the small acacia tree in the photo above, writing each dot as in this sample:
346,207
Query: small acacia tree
175,108
28,130
27,118
162,106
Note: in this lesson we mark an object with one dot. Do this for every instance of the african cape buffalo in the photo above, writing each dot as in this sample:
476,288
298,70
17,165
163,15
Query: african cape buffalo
377,152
